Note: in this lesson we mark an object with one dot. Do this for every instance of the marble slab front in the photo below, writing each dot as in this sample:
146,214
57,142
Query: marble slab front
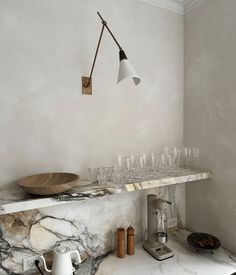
87,225
16,199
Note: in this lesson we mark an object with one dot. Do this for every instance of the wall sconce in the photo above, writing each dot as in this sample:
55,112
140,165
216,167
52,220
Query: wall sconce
125,70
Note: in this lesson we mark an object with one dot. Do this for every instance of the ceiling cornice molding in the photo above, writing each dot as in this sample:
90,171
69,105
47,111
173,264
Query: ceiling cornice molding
191,4
176,6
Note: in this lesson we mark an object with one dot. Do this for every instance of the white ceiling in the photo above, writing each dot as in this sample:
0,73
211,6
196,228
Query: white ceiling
178,6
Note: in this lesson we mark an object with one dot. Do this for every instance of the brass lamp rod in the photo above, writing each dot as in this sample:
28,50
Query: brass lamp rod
104,25
95,57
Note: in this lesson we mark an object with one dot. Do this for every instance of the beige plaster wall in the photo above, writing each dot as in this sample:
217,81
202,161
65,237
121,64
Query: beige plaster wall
45,48
210,116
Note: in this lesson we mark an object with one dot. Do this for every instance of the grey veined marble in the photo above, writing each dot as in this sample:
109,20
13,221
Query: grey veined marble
29,233
17,200
186,261
80,222
88,225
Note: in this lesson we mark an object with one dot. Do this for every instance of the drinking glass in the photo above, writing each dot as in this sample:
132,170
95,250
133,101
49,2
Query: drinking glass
142,167
101,176
170,163
196,152
120,162
108,173
117,175
164,163
93,174
176,157
128,169
186,157
134,167
153,164
195,156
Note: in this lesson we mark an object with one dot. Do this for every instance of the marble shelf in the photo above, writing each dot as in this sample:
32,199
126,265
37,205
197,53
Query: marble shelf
16,200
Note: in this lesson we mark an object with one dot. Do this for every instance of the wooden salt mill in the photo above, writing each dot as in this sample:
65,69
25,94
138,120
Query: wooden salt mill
120,242
130,240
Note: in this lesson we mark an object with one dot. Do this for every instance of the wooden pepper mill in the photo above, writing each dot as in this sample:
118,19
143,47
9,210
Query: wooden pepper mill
120,242
130,240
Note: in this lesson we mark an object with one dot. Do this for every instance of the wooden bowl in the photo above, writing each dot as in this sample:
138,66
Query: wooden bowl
48,183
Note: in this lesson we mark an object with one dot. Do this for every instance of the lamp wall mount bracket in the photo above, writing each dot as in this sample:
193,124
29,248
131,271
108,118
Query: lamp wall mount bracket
86,85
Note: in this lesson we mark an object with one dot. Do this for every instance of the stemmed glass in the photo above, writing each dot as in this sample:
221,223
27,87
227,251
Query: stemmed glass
164,163
142,163
146,166
128,169
120,168
195,156
186,157
153,164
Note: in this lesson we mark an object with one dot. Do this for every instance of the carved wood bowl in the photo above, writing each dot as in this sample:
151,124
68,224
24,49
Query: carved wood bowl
49,183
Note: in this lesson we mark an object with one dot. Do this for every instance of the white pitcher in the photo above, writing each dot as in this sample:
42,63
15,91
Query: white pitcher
62,264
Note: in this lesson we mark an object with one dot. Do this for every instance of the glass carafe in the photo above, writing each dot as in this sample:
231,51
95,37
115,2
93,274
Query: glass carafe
161,227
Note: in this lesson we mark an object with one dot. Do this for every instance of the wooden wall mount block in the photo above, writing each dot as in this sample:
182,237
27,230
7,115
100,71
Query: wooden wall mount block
86,90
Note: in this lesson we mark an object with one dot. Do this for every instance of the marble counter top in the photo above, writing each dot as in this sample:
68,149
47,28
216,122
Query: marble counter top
186,261
15,199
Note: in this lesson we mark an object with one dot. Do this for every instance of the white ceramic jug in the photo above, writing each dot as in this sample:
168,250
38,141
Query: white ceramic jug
62,264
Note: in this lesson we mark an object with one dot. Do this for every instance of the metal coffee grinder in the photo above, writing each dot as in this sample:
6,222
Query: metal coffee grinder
157,228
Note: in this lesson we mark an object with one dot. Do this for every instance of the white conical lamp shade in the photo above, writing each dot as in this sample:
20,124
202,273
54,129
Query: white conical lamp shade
126,69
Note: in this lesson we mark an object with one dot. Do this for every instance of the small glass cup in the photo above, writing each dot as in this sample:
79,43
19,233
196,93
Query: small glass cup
108,173
117,175
101,176
93,174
